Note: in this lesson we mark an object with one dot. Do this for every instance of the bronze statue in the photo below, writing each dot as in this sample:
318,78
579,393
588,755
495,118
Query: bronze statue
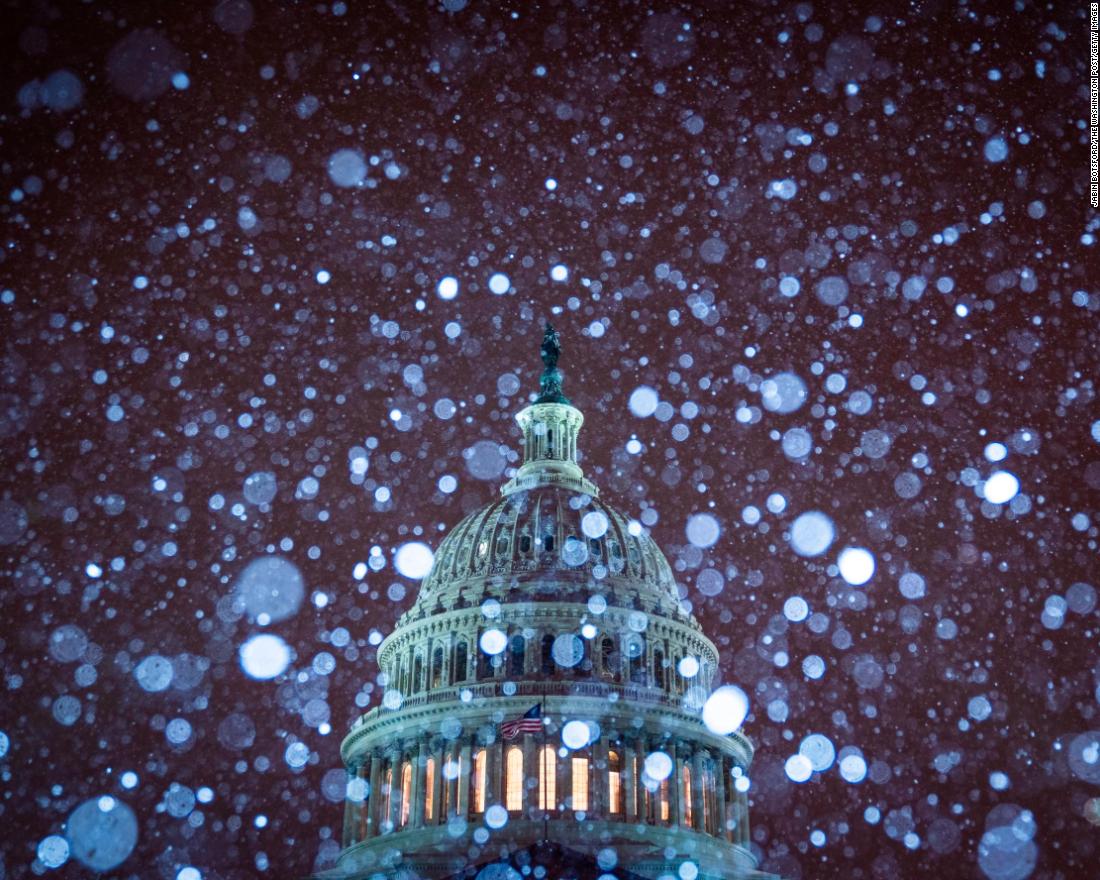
551,348
550,381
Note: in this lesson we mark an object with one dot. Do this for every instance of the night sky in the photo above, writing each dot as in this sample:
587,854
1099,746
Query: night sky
814,259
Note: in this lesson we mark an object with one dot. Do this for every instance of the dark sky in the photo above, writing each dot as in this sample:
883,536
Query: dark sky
224,229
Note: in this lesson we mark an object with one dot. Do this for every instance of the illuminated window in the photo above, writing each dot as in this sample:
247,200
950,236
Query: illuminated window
686,794
429,789
513,776
580,783
452,769
548,769
614,782
406,792
387,795
662,800
479,781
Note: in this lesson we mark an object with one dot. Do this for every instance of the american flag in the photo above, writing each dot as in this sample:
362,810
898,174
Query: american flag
529,722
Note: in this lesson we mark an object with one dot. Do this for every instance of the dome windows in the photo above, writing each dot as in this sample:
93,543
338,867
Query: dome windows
516,656
614,782
437,667
513,779
461,666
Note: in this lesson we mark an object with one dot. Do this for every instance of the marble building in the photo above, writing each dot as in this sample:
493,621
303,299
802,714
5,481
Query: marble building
541,714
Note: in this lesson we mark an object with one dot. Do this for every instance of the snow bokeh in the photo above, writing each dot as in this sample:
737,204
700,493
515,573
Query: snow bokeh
273,289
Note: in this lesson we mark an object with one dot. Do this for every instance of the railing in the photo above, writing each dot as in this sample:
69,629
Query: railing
598,689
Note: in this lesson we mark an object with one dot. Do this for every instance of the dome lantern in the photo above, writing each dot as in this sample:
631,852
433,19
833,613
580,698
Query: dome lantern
550,427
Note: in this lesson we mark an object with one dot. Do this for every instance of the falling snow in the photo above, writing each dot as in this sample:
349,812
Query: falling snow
274,284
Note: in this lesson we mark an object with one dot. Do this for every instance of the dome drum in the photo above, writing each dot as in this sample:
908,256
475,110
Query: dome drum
427,780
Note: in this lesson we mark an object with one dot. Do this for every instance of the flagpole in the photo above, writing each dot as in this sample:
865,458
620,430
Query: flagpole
545,781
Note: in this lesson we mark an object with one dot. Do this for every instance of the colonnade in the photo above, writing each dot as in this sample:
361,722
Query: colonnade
427,781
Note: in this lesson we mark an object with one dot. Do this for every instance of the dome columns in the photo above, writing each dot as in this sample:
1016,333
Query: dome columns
550,450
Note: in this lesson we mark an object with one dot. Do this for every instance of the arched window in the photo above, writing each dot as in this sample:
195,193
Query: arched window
548,772
709,797
609,660
547,530
418,672
546,666
579,776
636,650
685,794
662,800
460,671
614,782
479,781
437,667
525,544
429,790
484,665
659,668
513,779
452,770
516,656
550,444
502,544
406,792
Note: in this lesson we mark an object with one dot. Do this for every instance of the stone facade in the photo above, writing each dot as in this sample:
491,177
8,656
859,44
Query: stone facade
547,600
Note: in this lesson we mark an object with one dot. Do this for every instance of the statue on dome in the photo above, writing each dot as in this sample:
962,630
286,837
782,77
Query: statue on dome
550,381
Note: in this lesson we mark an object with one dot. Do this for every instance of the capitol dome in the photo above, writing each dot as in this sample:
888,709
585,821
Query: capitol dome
549,543
543,698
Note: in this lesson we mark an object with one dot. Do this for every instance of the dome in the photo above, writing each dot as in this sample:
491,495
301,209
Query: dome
546,687
554,544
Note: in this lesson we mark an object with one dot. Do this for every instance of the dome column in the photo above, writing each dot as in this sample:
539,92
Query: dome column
390,821
494,775
465,766
741,811
437,782
420,770
530,801
698,807
639,793
351,810
630,785
720,797
677,807
598,802
374,797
